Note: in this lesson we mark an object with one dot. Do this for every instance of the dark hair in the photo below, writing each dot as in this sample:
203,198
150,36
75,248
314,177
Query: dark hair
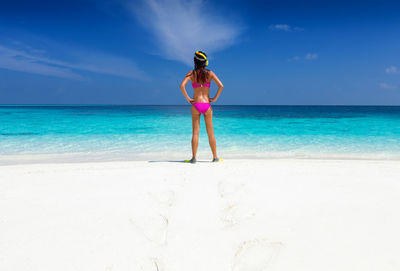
199,67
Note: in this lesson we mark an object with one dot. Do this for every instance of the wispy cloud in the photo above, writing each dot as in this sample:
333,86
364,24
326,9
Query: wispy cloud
17,60
183,26
392,69
309,56
285,27
387,86
25,58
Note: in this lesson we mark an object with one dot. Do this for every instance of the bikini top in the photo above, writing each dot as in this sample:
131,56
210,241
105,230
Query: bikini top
207,84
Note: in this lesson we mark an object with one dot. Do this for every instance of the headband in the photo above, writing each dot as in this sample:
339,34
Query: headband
205,58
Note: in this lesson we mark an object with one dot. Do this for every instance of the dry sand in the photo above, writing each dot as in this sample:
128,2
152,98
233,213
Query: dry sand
278,214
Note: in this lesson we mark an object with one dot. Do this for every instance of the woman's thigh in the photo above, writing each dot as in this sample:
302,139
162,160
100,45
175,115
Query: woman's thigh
208,120
195,120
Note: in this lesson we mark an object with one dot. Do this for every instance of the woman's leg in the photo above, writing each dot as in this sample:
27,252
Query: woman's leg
210,131
196,130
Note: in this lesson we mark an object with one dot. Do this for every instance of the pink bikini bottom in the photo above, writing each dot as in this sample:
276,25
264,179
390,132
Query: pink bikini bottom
202,107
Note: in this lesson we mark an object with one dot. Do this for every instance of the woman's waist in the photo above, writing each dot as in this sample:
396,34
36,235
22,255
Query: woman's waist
201,99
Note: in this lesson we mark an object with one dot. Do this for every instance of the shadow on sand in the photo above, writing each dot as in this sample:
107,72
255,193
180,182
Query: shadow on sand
176,161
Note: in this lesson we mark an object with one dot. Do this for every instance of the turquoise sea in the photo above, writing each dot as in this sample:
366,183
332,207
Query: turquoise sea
122,132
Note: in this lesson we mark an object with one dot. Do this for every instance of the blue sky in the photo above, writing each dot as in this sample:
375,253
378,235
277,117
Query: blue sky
137,52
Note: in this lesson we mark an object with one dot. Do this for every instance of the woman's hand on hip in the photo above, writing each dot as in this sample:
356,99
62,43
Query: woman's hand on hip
211,100
191,100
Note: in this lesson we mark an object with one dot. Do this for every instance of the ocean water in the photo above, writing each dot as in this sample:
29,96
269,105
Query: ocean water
97,133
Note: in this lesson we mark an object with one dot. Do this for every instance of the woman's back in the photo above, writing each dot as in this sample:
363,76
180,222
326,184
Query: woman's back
201,88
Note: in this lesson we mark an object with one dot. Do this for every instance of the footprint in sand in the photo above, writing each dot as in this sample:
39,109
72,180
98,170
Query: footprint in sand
153,227
232,213
235,213
164,198
256,255
152,264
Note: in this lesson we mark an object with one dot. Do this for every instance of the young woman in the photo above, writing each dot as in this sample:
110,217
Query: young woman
201,80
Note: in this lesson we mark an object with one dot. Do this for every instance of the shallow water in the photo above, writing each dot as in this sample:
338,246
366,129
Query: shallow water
164,132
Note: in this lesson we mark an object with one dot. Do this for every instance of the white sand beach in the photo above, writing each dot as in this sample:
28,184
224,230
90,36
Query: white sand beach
254,215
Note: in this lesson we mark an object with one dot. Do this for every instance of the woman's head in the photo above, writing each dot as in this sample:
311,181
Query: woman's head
200,60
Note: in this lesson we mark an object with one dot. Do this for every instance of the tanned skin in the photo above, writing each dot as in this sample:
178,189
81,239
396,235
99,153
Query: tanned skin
202,95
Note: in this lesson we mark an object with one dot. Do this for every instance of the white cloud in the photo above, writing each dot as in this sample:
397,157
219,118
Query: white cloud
31,60
392,69
285,27
17,60
387,86
183,26
309,56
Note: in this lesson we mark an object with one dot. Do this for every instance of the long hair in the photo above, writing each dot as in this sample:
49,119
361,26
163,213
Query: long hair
200,62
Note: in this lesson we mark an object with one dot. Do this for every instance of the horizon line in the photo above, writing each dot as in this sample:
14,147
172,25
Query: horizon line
188,105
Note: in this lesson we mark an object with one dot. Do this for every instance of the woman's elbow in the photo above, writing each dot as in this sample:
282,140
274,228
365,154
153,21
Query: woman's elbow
221,86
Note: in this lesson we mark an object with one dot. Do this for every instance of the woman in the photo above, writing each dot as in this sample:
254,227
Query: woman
201,80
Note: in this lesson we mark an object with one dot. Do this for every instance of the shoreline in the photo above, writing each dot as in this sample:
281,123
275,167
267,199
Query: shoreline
72,158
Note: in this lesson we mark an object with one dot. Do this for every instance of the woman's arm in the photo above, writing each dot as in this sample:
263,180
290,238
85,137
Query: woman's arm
219,84
183,89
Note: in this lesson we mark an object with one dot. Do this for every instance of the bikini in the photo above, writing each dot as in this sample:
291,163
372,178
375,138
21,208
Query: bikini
201,107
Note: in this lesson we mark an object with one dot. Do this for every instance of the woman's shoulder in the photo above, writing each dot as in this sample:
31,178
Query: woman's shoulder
190,73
